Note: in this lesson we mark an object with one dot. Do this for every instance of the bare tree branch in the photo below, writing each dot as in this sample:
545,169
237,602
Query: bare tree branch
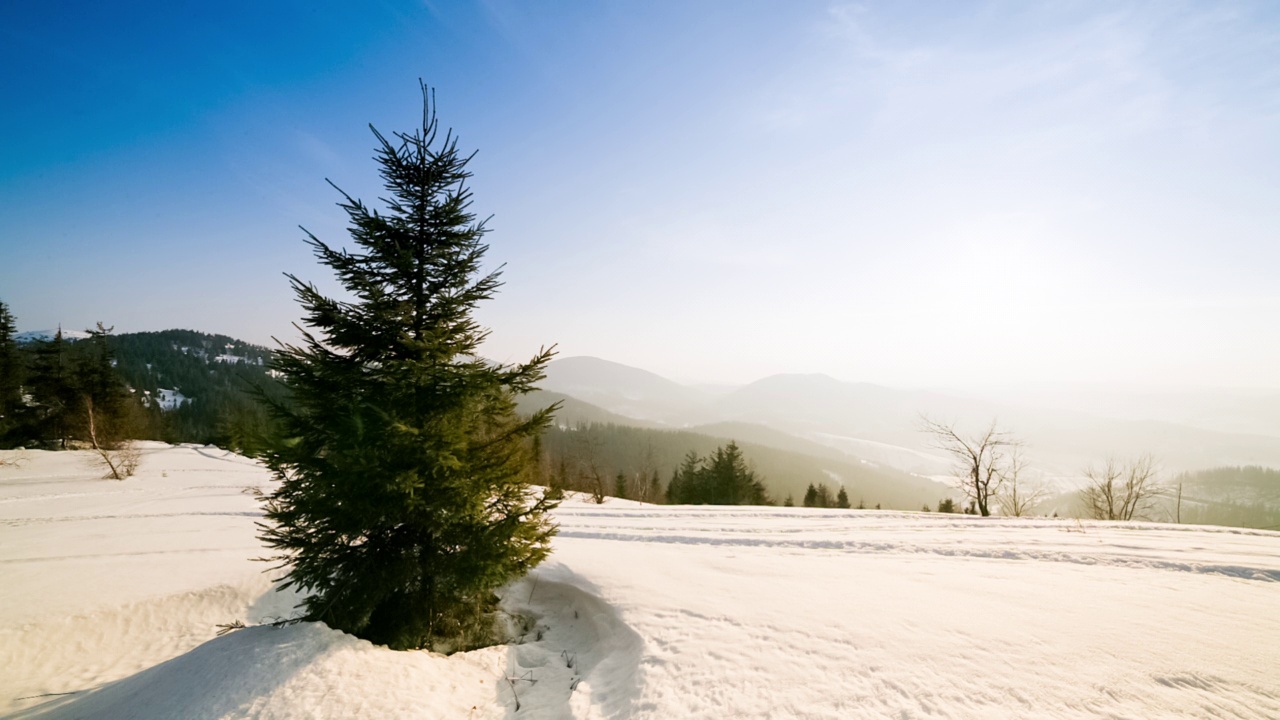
1121,490
1021,496
981,461
119,456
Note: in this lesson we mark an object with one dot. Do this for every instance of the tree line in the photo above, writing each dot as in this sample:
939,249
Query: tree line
223,381
594,457
45,383
722,478
57,394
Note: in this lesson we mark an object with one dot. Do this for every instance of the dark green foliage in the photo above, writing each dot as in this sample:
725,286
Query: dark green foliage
811,496
947,505
820,497
105,413
404,500
220,377
678,490
11,376
611,448
96,379
62,383
53,394
842,499
721,479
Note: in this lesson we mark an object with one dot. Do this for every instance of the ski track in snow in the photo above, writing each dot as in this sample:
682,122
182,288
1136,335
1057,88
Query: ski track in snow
17,522
1134,545
114,592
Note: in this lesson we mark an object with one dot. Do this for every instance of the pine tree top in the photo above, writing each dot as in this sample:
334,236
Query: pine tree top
414,270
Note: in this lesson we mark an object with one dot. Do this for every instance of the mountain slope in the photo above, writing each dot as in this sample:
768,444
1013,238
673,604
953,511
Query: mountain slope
882,424
216,375
607,450
625,390
574,412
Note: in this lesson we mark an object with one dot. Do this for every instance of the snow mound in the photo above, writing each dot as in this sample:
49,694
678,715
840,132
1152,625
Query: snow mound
304,670
578,659
575,659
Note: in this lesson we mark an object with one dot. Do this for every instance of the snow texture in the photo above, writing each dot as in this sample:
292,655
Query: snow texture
236,359
166,399
114,590
47,335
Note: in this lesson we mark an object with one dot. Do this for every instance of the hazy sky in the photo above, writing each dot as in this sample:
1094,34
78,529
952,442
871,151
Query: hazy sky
898,192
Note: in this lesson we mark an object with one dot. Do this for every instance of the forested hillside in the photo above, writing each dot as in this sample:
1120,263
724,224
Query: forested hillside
198,387
599,452
1234,496
188,386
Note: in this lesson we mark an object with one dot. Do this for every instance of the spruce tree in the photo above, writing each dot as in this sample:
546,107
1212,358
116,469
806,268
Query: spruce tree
52,392
684,488
811,496
405,501
10,378
824,496
104,415
722,479
96,380
729,480
842,499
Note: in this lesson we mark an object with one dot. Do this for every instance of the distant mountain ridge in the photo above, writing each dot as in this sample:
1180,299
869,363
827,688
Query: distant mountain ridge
31,336
879,423
622,389
811,414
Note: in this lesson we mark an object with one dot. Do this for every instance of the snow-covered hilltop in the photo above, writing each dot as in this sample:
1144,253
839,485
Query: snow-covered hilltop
114,593
31,336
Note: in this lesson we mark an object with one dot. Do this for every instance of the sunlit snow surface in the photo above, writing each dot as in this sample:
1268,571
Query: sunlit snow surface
112,593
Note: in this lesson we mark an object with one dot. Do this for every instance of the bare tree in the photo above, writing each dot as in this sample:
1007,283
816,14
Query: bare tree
1021,495
118,454
1121,490
981,460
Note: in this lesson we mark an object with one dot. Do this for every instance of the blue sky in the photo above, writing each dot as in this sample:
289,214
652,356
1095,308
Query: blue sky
910,193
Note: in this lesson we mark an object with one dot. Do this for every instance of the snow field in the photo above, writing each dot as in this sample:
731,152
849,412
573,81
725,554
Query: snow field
114,591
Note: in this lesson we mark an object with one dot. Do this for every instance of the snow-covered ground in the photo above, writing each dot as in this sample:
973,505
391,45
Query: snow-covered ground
112,595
